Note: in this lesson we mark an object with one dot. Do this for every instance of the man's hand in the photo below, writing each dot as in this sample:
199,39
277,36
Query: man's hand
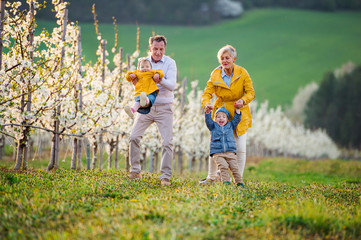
156,78
134,78
208,108
135,81
239,104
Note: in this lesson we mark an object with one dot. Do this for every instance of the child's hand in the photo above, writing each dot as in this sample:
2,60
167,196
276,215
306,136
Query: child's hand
239,104
132,76
156,78
208,108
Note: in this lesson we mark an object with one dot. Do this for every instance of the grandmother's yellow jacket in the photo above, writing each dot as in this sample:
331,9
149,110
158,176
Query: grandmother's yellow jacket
145,81
241,87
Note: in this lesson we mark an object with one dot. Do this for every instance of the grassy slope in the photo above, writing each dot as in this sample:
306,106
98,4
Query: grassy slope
322,203
281,49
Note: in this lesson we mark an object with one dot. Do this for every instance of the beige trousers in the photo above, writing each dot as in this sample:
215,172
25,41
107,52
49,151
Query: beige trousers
227,161
241,158
162,115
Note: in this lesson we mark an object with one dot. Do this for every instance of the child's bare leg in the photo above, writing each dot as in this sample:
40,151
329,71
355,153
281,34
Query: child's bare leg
131,110
135,106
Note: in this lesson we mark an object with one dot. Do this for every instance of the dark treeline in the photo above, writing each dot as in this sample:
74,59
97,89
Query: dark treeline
164,12
185,12
320,5
336,107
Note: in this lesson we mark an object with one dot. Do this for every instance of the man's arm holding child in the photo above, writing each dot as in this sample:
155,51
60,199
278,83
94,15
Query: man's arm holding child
169,81
157,75
132,77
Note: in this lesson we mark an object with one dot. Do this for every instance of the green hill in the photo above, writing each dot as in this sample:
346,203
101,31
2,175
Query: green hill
281,49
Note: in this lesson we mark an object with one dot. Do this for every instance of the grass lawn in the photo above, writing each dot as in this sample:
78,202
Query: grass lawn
284,199
281,49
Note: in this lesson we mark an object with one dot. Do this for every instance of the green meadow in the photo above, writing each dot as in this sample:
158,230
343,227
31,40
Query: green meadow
281,49
283,199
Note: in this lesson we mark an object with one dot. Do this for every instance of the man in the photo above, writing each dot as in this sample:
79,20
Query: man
161,112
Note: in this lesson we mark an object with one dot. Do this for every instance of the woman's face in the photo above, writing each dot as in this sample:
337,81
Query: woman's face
227,61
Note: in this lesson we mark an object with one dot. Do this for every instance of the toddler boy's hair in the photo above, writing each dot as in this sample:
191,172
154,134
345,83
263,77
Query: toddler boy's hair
224,110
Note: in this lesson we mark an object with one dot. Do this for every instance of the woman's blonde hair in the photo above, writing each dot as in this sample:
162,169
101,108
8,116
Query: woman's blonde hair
228,48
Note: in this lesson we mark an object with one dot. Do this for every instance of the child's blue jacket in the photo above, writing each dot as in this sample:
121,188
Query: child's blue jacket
222,138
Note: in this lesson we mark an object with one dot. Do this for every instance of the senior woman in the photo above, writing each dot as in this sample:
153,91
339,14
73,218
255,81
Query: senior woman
233,88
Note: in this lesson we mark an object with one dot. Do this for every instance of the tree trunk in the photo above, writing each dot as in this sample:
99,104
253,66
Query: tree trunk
28,103
200,166
144,160
2,144
95,150
206,160
75,153
53,149
15,151
156,159
127,166
55,155
19,156
116,153
101,146
151,161
79,95
88,155
2,12
111,150
192,160
20,149
80,141
180,160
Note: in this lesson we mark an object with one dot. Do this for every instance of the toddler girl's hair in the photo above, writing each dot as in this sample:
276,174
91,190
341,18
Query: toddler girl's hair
141,60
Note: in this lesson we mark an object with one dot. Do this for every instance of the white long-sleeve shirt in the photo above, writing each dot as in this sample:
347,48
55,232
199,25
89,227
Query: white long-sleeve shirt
168,82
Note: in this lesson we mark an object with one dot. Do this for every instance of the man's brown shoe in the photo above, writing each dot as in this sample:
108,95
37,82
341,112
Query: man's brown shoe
165,181
133,175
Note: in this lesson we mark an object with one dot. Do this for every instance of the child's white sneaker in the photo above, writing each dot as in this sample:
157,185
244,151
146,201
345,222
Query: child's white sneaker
143,99
206,181
129,111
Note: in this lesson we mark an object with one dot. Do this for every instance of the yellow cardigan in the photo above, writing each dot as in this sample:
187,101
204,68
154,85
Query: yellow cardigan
241,87
145,81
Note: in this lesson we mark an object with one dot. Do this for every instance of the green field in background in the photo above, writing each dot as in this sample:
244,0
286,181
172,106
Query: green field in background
281,49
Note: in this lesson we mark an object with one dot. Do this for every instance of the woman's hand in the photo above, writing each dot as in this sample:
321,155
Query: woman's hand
208,108
239,104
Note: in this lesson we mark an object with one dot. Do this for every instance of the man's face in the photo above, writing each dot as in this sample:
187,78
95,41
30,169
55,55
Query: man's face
157,50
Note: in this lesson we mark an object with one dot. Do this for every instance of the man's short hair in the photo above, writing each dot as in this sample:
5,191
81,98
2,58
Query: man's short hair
157,38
